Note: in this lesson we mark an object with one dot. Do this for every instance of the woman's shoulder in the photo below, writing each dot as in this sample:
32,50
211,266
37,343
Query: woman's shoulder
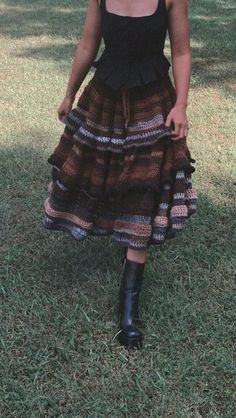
96,2
170,3
176,6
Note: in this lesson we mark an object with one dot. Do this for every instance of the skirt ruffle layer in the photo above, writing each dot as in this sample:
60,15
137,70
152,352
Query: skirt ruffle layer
116,170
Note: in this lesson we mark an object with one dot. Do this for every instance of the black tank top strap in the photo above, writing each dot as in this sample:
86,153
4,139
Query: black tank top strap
162,6
102,4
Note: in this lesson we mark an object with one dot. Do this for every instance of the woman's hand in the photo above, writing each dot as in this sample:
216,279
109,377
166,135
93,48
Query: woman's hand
65,107
178,122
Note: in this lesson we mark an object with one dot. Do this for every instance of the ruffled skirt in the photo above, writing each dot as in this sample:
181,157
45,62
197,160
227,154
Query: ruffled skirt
116,171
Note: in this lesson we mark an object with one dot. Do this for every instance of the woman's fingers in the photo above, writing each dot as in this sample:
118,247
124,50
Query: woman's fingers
170,123
168,120
59,112
180,132
176,131
61,115
64,108
177,122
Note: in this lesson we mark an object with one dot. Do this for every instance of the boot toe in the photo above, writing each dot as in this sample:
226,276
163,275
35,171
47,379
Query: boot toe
133,332
131,337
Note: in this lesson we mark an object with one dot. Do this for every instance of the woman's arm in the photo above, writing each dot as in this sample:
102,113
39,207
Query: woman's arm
86,52
178,27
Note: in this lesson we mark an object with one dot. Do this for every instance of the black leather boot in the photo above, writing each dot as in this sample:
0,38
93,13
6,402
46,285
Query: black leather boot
129,334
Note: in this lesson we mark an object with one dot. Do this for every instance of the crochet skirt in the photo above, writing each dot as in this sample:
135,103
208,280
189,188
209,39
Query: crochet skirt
116,171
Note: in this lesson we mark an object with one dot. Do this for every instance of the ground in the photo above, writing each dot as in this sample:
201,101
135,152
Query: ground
58,354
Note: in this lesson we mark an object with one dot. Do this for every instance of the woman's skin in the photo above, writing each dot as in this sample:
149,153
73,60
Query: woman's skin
87,48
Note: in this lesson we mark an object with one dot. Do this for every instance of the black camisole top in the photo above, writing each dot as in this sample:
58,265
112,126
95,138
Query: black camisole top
133,53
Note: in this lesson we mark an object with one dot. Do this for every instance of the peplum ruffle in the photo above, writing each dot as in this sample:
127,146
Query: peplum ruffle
124,74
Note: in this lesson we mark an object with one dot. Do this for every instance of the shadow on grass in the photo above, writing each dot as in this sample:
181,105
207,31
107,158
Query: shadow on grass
211,21
37,18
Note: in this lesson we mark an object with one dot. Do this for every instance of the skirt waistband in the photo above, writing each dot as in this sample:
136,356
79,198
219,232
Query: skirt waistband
126,94
137,92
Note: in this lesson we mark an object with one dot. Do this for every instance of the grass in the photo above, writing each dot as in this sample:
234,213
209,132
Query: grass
58,298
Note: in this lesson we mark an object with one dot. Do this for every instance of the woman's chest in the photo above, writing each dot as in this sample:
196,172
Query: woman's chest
120,30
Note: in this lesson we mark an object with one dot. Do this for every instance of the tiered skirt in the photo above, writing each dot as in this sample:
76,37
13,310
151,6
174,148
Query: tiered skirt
116,171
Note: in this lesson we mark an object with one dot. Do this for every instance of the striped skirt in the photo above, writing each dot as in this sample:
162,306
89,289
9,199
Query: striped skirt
116,171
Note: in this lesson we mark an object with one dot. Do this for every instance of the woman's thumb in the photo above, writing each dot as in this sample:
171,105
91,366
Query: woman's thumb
168,121
60,113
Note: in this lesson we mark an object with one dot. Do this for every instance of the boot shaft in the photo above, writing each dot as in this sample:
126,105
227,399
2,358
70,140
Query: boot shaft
132,275
129,293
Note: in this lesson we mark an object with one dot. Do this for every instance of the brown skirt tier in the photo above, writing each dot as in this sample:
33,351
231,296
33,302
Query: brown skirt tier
116,171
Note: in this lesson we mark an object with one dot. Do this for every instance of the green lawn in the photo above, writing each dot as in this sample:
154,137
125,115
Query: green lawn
58,357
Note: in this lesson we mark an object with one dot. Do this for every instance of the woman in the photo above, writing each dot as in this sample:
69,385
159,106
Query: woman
122,166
